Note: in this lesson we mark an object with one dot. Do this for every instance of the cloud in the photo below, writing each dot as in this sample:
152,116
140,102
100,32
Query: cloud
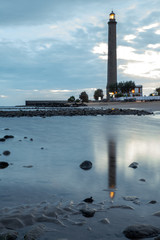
3,96
154,46
150,26
145,64
129,38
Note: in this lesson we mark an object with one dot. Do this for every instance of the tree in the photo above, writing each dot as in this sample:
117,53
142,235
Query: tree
98,94
71,99
113,87
126,87
83,96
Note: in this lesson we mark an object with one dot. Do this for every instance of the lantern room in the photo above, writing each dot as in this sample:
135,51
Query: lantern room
112,16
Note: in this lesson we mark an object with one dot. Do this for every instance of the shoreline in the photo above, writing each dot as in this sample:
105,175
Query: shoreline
73,111
148,106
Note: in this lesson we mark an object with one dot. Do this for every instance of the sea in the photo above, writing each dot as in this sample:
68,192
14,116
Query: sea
46,153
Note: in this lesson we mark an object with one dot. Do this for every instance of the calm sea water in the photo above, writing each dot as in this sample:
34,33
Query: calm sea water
111,143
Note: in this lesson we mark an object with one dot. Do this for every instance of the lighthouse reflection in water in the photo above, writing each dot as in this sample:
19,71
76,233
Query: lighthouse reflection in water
111,167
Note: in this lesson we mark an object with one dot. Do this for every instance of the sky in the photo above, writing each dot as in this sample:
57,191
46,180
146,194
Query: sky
53,49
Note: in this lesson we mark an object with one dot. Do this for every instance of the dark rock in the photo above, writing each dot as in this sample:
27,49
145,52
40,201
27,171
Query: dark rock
157,214
8,136
25,137
87,212
157,238
142,180
29,166
9,235
42,148
133,165
121,207
6,129
141,231
2,139
3,165
88,200
6,153
86,165
153,202
31,139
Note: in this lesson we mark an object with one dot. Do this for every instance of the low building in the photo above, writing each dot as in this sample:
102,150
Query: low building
137,92
45,103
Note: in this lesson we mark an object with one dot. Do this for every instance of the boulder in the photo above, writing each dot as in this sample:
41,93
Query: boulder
86,165
141,231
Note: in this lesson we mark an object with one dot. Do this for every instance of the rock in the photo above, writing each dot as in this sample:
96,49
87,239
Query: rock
142,180
152,202
105,221
3,165
141,231
36,232
133,165
157,238
9,235
86,165
130,198
133,199
88,200
122,207
8,136
31,139
6,153
2,139
157,214
87,212
29,166
6,129
25,137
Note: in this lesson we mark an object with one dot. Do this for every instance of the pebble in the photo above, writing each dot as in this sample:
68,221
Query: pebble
86,165
133,165
3,165
8,136
6,153
142,180
105,221
29,166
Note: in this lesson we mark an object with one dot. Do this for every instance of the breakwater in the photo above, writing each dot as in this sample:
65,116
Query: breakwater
72,112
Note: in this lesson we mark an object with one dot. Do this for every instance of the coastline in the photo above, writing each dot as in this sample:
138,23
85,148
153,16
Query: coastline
150,106
91,109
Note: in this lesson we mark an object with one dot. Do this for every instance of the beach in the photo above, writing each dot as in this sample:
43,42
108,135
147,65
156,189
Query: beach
148,106
43,187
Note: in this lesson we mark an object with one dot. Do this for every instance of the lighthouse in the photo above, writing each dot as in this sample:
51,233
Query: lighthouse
112,56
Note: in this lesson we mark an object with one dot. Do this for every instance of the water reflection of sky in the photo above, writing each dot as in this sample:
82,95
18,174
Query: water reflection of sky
110,142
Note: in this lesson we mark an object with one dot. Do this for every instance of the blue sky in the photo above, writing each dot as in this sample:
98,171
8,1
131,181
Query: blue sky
53,49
